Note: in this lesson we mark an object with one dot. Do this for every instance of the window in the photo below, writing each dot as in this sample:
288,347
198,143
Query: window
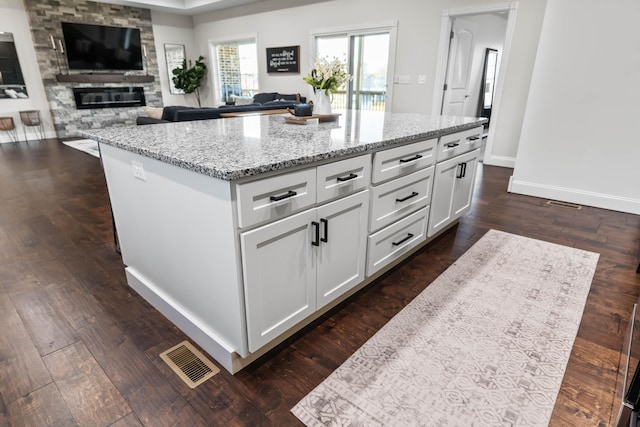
237,69
368,53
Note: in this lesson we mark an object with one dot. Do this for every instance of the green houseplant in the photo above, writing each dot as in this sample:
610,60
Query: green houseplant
190,78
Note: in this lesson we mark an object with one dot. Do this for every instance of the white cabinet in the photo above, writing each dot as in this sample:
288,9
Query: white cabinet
296,265
276,197
452,190
398,198
401,184
396,240
242,264
339,179
403,160
278,264
342,251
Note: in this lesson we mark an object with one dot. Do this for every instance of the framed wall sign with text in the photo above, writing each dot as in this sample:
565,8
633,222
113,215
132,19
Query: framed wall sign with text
283,59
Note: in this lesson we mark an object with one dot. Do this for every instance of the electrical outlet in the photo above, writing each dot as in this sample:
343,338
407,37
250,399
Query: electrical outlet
138,171
422,79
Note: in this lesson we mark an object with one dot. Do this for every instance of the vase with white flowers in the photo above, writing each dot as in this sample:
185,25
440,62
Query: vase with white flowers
327,76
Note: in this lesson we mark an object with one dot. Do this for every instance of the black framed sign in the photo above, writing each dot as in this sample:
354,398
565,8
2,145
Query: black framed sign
283,59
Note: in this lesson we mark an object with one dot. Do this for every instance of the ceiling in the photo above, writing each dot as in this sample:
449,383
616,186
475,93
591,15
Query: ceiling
183,7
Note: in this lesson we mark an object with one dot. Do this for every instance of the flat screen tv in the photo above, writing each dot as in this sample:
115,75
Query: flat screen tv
100,47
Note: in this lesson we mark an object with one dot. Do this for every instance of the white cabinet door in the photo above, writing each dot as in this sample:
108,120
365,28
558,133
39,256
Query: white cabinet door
342,250
464,185
452,189
278,262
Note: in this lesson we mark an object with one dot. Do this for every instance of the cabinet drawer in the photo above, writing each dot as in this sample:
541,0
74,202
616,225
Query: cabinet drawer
403,160
339,179
398,198
394,241
457,143
276,197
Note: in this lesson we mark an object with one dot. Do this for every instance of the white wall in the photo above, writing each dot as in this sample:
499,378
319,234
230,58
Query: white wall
418,38
13,19
579,140
173,29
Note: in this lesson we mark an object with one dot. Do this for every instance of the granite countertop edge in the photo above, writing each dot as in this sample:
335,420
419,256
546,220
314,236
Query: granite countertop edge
235,174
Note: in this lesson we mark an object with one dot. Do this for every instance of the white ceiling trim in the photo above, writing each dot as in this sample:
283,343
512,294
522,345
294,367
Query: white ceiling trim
183,7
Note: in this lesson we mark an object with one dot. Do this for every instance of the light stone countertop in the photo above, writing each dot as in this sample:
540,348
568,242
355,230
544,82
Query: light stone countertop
234,148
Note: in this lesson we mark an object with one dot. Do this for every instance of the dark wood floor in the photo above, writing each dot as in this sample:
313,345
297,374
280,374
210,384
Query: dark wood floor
79,347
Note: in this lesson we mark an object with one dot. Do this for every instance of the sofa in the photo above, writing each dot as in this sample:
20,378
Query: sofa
260,102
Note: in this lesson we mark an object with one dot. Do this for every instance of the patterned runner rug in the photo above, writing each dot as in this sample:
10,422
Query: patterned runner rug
486,343
87,145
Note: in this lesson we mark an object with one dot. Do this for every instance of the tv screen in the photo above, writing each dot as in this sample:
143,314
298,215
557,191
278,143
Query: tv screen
99,47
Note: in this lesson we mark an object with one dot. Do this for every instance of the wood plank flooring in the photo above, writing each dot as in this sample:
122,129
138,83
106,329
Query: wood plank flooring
79,347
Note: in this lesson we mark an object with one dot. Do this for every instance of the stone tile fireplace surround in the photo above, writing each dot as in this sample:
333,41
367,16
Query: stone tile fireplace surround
45,17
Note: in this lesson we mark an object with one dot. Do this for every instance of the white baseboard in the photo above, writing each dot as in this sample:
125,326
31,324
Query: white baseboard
204,338
502,161
572,195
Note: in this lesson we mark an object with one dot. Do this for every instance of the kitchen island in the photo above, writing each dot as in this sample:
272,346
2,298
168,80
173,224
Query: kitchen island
243,230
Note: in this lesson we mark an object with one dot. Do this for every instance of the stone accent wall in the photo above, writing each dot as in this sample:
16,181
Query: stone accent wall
45,17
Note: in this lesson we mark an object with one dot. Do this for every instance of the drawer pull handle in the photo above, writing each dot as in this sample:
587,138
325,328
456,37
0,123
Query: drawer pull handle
316,226
325,222
410,196
473,138
347,178
463,170
411,159
451,145
409,235
290,193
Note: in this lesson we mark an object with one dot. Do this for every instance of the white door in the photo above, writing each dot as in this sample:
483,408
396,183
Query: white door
458,76
278,263
342,250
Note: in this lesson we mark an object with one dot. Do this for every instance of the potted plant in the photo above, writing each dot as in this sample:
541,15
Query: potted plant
190,78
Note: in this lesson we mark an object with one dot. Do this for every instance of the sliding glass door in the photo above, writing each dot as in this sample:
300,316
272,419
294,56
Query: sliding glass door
368,66
368,56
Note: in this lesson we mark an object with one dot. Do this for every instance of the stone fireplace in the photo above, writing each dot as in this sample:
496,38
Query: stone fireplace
60,84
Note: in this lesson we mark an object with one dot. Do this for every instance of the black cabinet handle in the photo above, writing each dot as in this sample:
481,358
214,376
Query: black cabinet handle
291,193
409,235
404,199
411,159
316,226
473,138
463,170
325,222
347,178
452,145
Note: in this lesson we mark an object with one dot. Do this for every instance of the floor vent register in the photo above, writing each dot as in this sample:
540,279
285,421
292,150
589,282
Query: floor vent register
563,204
189,364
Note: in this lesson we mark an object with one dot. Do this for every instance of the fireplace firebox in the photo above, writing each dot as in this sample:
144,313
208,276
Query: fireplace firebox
109,97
